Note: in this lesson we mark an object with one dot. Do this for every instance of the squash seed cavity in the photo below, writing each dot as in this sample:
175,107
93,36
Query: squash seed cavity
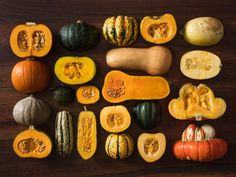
38,40
115,120
158,30
151,146
116,89
88,93
194,64
22,41
72,70
28,145
86,123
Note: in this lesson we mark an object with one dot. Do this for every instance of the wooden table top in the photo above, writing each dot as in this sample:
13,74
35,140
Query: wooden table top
55,14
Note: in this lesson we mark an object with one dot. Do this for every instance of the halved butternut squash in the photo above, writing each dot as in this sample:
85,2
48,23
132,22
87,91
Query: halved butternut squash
87,94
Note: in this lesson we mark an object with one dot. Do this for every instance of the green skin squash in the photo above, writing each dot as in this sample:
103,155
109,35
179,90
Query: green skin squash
147,114
64,95
79,36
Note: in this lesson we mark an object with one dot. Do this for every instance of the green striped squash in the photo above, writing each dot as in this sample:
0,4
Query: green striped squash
119,146
64,133
120,30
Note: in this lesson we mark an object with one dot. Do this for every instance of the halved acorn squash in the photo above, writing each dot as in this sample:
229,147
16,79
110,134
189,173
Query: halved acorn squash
87,94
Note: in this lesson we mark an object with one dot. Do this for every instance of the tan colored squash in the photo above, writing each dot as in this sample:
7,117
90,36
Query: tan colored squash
88,94
119,86
154,60
196,103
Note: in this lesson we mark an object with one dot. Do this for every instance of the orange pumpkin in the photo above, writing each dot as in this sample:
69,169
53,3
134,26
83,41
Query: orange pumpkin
30,76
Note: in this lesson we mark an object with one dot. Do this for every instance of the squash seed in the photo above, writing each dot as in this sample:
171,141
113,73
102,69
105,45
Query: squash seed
72,69
114,120
158,30
88,93
22,41
31,145
117,89
151,146
38,40
86,123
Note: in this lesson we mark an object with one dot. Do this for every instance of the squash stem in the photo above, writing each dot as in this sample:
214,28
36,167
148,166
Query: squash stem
31,127
85,108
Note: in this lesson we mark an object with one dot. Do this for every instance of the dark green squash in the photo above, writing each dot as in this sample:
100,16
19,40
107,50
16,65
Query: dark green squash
79,35
147,114
64,95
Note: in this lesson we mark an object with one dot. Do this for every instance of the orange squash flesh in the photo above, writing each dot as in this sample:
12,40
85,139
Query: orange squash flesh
119,86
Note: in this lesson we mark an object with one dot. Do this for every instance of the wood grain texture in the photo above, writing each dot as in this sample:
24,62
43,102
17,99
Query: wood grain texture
55,14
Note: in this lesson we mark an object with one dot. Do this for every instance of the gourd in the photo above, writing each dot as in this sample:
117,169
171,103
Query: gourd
203,31
147,114
158,29
32,143
119,86
64,138
87,134
119,146
151,146
196,102
199,145
154,60
199,64
79,36
64,95
120,30
31,111
87,94
31,40
31,76
75,70
115,119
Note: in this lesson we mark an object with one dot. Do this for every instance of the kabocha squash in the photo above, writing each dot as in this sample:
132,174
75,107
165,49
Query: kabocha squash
79,36
154,60
88,94
158,29
119,146
87,134
151,147
31,111
64,95
31,76
119,87
200,144
203,31
75,70
64,138
32,143
115,119
196,103
31,39
199,64
120,30
147,114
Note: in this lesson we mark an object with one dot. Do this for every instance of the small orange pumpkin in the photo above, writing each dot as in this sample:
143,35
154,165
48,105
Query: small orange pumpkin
87,94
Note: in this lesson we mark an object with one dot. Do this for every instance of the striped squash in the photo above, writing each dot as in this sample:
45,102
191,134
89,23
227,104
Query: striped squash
64,133
120,30
119,146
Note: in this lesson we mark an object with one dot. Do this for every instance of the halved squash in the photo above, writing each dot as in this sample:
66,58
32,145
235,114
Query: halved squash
88,94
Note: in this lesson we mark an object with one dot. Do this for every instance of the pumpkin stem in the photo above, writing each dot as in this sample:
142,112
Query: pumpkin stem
85,108
79,21
31,127
30,59
30,23
181,32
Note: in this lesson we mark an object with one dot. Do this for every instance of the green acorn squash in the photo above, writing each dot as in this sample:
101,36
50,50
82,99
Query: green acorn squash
64,95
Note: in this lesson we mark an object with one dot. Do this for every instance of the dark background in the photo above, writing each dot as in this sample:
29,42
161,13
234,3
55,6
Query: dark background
55,14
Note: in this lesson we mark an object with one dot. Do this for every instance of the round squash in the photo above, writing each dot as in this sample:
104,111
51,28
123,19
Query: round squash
31,39
32,143
158,29
115,119
119,147
88,94
31,111
120,30
147,114
30,76
79,36
75,70
64,95
203,31
154,60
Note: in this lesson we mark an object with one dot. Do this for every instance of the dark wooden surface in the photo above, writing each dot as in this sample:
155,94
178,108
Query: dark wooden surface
57,13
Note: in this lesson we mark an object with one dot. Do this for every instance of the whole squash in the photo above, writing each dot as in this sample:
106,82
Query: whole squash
64,95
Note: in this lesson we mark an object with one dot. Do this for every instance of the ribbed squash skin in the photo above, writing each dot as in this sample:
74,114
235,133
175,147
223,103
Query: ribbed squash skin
120,30
64,139
64,95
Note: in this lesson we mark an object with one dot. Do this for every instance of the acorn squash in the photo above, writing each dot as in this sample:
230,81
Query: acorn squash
64,95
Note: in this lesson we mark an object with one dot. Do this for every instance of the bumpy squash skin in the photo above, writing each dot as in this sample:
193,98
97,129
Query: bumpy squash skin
64,95
87,94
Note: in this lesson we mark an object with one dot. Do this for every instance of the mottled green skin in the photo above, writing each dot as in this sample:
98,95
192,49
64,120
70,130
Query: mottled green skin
64,95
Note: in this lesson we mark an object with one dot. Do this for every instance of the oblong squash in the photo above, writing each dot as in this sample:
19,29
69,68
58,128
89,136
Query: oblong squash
87,94
199,64
75,70
32,143
158,30
196,102
87,134
119,86
115,119
31,39
151,147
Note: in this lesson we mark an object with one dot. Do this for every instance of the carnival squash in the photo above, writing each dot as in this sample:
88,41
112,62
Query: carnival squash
32,143
119,87
64,95
120,30
31,40
87,94
115,119
196,103
158,29
75,70
154,60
